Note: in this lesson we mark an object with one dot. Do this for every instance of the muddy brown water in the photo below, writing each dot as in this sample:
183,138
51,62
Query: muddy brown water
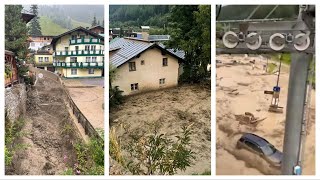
250,98
48,133
170,109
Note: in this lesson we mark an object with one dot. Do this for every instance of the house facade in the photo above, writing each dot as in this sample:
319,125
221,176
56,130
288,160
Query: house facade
97,29
143,66
78,53
43,59
37,42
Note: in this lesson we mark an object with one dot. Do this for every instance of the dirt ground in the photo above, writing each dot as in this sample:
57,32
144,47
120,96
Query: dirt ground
174,108
240,89
88,93
45,146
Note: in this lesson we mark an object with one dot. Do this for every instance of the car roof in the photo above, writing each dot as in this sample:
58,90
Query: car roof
255,138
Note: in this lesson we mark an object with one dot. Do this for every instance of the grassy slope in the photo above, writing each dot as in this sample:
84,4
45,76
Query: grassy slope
76,24
50,28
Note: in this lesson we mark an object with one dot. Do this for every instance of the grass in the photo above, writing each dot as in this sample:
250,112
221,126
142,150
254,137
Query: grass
205,173
76,24
12,132
48,27
90,159
271,67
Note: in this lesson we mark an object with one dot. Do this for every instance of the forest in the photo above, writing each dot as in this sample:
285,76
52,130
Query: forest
139,15
240,12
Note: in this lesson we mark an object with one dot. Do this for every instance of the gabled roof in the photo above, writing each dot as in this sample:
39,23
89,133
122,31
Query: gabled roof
26,16
128,48
56,38
97,26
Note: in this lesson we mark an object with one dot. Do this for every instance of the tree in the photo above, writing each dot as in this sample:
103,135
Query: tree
35,29
115,94
15,31
155,154
94,22
191,32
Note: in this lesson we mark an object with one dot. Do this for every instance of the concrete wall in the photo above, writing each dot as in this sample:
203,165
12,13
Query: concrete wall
147,75
15,101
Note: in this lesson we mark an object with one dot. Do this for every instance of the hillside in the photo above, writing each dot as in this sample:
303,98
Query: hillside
238,12
57,19
138,15
48,27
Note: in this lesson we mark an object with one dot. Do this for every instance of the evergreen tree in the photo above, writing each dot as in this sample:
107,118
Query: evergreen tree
94,22
35,29
191,32
15,31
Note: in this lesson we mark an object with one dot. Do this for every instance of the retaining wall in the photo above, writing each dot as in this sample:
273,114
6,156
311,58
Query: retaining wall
89,129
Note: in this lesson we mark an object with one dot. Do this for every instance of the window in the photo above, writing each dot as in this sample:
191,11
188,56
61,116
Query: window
87,47
142,62
73,37
73,59
91,71
134,87
66,48
93,48
82,36
40,59
165,62
253,146
77,48
88,59
94,59
132,66
73,71
46,59
162,81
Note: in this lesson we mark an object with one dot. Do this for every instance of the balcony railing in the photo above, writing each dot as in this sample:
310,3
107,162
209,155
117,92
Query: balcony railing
85,41
79,53
79,64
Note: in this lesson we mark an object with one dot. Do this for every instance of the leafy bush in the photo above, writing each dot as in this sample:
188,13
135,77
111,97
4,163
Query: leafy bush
155,154
90,158
115,96
8,156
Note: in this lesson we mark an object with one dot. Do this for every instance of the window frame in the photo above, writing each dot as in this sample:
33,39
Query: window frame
163,62
91,72
131,67
134,86
162,81
72,71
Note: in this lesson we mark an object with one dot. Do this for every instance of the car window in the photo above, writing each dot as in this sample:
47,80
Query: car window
268,149
253,146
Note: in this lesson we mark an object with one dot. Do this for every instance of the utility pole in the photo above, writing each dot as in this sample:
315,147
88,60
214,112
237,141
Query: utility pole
295,111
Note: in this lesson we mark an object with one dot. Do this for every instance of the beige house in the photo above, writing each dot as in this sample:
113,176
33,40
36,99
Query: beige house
143,65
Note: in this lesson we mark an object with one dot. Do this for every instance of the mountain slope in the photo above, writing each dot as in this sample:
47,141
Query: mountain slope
48,27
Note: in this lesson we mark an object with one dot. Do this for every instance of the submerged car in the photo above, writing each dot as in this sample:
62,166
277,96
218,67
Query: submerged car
261,147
